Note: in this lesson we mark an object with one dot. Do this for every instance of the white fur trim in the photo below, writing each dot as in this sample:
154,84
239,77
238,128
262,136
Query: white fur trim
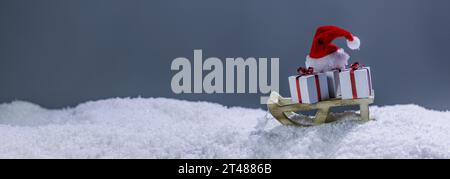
338,59
354,45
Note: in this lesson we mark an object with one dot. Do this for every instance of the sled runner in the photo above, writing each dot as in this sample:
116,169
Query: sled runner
283,109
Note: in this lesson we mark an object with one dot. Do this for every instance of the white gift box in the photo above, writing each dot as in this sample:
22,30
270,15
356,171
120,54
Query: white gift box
334,87
308,88
356,83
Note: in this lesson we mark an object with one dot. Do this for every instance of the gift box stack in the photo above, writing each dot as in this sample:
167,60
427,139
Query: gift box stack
327,75
311,87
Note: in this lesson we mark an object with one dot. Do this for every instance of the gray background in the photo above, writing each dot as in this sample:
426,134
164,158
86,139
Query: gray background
59,53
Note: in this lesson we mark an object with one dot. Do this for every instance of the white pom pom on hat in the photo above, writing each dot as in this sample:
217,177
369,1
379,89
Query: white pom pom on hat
354,45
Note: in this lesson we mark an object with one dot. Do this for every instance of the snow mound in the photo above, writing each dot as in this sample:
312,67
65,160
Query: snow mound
168,128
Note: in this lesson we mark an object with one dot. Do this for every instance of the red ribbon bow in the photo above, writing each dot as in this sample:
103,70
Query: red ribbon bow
305,71
354,66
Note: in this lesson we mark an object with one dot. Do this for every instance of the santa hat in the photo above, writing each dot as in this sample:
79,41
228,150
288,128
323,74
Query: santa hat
324,55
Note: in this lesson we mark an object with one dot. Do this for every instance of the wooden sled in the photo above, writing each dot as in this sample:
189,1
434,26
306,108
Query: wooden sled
283,109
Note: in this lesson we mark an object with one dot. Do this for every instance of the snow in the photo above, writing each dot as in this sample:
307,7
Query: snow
169,128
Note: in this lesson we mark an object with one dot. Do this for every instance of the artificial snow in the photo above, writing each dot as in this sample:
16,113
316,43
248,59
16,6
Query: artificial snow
168,128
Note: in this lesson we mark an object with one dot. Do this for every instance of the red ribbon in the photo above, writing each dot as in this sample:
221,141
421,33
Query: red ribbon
319,95
352,79
354,66
299,94
305,71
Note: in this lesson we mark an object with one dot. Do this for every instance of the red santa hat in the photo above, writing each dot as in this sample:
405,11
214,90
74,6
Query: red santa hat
324,55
